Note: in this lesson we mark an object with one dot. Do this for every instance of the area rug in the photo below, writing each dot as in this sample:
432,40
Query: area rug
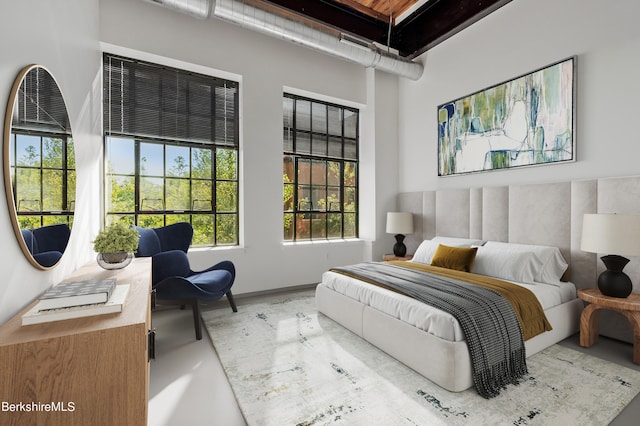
289,365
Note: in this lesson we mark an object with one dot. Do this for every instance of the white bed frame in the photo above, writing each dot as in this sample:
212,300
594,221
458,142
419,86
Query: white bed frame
445,363
544,214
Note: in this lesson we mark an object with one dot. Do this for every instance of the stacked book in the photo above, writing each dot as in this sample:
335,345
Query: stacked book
76,299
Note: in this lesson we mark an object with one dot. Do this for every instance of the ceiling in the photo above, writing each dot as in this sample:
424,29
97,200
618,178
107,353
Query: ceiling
409,26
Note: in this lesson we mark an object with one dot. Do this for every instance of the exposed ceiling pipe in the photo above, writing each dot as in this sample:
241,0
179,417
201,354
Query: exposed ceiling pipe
344,46
200,9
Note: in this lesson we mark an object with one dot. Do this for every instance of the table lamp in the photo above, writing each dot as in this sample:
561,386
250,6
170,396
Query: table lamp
399,223
615,235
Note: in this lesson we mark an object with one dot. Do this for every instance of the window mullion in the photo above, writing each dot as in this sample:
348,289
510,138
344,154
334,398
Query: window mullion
190,206
41,181
327,206
65,176
295,196
294,127
214,164
136,180
312,210
214,195
164,184
342,195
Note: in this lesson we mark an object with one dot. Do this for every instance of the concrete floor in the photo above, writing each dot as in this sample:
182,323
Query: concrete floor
189,386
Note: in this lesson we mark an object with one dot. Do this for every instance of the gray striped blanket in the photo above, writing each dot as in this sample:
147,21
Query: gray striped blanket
489,323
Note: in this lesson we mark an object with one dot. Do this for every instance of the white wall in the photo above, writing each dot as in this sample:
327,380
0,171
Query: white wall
520,37
398,132
63,37
265,67
68,37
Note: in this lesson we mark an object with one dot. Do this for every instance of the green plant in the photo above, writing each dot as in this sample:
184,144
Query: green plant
116,237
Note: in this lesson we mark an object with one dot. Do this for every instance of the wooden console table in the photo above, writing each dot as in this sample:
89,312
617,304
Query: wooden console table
590,318
84,371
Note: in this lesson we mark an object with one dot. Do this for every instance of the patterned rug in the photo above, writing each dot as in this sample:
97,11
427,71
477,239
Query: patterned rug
289,365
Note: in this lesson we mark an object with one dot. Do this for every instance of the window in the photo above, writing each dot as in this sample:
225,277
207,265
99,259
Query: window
41,154
171,149
43,178
320,170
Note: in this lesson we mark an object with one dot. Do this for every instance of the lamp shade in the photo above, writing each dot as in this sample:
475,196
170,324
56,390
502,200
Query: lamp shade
611,234
399,223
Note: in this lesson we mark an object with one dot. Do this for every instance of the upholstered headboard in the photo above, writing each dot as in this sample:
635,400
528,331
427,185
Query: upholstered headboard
545,214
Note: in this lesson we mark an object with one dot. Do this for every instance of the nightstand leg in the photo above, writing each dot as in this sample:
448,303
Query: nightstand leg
589,325
634,319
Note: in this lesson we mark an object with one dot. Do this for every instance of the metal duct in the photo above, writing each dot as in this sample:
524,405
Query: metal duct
251,17
197,8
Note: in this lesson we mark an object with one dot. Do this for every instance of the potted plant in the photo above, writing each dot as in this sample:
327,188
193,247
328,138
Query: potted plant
115,245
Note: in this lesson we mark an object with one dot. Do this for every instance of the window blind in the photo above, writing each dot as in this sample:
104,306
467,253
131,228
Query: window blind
142,99
40,106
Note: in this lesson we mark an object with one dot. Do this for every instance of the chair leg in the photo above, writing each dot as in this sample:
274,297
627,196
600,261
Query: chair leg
195,307
231,301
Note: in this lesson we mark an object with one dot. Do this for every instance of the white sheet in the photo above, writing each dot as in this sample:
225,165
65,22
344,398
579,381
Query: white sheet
425,317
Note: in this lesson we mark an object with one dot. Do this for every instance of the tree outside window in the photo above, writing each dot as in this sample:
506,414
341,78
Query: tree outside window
175,183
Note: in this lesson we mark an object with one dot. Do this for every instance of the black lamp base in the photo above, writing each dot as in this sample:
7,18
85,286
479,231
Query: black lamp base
399,249
613,282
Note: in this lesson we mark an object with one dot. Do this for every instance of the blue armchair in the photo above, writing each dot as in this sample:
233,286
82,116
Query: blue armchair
171,274
47,243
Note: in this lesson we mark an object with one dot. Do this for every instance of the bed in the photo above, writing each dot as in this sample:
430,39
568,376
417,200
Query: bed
431,341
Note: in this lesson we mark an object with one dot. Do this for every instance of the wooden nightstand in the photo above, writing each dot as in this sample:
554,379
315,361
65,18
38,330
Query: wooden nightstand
590,318
388,257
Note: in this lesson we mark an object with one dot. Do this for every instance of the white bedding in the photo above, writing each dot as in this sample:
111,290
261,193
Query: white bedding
425,317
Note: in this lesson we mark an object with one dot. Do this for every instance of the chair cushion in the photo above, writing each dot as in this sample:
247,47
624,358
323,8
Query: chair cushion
47,258
204,285
212,282
148,244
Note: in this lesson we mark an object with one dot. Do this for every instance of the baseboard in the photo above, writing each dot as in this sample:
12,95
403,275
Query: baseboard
247,297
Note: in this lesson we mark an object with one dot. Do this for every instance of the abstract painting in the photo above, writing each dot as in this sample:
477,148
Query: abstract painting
526,121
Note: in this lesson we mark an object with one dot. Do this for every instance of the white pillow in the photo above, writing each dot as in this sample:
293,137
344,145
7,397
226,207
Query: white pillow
427,248
510,265
553,264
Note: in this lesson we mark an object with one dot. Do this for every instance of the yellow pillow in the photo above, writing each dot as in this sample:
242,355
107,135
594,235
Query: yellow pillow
458,258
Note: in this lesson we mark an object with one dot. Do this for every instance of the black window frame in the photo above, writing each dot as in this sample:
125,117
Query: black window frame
220,133
300,153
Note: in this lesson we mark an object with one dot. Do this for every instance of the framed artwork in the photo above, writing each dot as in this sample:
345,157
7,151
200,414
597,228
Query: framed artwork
526,121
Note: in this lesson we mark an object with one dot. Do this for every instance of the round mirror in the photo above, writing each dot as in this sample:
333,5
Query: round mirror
39,166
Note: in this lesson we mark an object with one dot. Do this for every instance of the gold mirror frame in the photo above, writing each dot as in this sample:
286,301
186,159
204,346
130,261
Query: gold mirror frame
8,167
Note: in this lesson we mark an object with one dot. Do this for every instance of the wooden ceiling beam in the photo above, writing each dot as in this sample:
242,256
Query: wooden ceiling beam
294,16
391,8
340,16
357,5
